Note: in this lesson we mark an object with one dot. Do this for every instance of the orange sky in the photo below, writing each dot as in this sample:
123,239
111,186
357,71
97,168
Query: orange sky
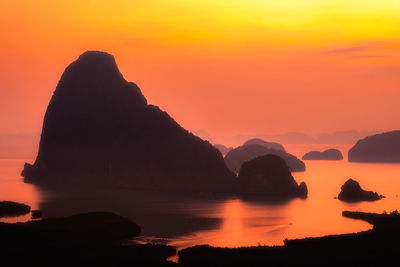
228,66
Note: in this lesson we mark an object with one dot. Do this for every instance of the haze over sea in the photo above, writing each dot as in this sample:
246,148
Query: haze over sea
185,221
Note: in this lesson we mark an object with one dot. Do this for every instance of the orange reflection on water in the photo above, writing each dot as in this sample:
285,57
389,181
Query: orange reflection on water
234,222
13,189
251,223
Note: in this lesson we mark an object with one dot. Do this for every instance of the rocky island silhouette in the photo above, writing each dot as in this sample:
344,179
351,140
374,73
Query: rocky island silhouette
383,147
329,154
99,130
351,191
270,177
270,145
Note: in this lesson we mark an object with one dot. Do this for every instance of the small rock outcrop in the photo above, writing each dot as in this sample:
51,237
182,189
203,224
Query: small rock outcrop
12,209
99,130
384,147
236,157
351,191
269,145
329,154
269,176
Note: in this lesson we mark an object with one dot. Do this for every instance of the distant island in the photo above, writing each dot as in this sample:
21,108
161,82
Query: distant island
236,157
99,130
329,154
339,137
269,145
384,147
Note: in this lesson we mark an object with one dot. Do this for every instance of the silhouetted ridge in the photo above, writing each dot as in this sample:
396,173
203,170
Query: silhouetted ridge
384,147
99,130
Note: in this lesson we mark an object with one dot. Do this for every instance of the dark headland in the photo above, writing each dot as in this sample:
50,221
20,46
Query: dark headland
236,157
89,239
384,147
99,130
329,154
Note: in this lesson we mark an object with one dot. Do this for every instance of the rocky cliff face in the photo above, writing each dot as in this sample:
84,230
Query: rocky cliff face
99,130
384,147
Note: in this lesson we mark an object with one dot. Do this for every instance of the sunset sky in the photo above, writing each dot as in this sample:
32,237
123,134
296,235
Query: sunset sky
228,66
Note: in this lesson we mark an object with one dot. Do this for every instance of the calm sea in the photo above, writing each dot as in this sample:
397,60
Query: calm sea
219,221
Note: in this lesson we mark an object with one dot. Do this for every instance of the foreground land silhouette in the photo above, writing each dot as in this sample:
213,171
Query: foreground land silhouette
101,239
89,239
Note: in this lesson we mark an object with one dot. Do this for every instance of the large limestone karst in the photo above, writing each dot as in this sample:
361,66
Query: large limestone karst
99,130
